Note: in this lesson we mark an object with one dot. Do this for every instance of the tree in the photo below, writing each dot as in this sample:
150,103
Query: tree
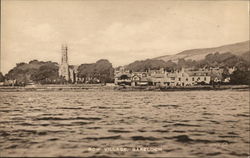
85,71
143,65
47,73
170,66
18,75
102,70
2,78
182,63
38,71
240,77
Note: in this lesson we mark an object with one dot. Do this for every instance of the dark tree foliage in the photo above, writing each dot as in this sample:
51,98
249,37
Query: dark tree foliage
38,71
182,63
20,64
47,73
34,62
143,65
102,70
2,78
220,60
85,70
170,66
153,64
240,77
105,70
246,56
17,74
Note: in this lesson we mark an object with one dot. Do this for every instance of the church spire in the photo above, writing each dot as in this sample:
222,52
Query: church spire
64,67
64,54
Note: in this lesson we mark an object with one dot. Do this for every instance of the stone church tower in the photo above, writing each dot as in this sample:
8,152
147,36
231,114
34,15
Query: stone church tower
64,67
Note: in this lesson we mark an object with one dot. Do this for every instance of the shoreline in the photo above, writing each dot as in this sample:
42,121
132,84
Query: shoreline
99,87
188,88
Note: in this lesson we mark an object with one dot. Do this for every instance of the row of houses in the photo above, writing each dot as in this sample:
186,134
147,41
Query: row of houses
183,77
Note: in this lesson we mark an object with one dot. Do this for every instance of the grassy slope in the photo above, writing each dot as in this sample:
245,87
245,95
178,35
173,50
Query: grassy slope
198,54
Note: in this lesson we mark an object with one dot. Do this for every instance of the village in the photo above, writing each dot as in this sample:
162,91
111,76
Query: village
183,77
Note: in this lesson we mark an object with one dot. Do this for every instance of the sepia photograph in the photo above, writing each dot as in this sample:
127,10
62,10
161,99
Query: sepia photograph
125,78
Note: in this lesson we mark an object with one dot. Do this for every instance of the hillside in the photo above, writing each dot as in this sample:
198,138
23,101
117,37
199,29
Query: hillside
238,49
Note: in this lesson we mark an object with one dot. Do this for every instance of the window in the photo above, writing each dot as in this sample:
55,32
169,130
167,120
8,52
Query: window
172,78
192,79
186,79
205,78
179,79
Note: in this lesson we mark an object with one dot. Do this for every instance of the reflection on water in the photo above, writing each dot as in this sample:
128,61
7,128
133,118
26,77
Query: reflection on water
110,123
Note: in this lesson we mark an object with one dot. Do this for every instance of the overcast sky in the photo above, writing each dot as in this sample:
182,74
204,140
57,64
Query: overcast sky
121,31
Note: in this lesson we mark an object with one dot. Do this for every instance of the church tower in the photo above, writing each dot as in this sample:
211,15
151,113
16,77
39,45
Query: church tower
64,67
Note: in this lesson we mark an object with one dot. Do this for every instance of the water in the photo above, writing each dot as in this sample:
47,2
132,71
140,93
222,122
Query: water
112,123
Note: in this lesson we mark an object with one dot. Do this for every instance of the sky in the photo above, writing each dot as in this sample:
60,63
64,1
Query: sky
121,31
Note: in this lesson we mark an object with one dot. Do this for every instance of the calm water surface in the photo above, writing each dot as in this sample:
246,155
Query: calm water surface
91,123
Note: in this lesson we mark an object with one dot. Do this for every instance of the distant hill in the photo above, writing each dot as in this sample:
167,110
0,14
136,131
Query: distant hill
238,49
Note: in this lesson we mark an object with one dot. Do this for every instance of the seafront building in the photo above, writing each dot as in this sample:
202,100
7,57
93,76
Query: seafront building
183,77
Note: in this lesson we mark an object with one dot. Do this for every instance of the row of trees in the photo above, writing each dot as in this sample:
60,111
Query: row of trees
224,60
210,60
101,71
37,71
47,72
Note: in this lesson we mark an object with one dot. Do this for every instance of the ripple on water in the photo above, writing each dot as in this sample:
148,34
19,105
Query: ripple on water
187,125
166,106
102,138
68,118
161,131
70,108
118,131
150,138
